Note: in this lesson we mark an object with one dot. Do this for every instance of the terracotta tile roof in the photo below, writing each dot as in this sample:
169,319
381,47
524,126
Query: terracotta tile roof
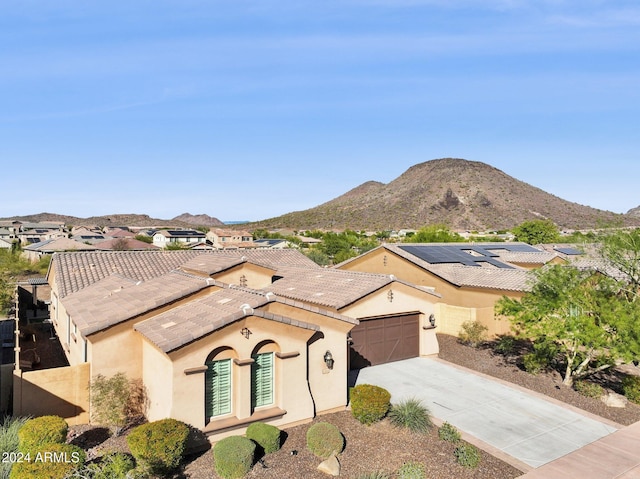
543,257
478,277
75,271
511,279
332,288
59,244
115,298
602,266
129,244
191,321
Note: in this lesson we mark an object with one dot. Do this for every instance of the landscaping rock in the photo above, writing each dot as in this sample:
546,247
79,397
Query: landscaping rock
612,399
330,466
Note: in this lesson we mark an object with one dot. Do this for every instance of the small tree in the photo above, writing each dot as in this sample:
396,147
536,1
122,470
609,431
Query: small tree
621,249
116,401
537,232
437,233
588,316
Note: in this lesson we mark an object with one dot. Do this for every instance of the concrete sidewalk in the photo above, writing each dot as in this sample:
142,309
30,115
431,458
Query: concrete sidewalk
516,422
616,456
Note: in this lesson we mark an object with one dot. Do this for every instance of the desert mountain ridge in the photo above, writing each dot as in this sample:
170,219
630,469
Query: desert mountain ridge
462,194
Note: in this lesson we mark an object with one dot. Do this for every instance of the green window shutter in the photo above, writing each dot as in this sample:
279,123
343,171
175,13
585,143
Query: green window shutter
218,388
262,380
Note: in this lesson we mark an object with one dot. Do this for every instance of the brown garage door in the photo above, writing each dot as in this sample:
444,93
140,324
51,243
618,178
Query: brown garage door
382,340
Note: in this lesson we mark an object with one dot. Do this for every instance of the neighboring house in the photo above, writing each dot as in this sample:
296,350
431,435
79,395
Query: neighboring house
214,355
36,251
5,244
116,232
162,238
470,278
272,243
230,239
7,234
123,243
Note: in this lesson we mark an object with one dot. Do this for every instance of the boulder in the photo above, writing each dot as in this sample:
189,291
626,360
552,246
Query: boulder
612,399
330,466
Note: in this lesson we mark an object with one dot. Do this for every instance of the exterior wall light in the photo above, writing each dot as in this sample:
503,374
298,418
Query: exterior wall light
246,332
432,320
328,359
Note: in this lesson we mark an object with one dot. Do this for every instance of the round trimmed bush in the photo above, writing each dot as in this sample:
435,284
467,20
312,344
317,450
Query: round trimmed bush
50,461
324,439
268,437
369,403
42,430
233,456
159,445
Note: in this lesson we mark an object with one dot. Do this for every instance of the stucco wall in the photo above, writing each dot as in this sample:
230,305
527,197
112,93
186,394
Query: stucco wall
397,298
59,391
254,276
456,302
175,382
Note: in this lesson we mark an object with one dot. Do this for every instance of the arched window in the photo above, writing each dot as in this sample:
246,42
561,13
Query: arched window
218,385
263,375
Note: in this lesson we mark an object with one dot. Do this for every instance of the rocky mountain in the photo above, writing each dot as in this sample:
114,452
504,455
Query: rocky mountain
198,220
181,221
465,195
635,212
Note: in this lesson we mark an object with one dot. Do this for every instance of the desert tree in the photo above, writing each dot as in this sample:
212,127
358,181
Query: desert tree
589,317
536,232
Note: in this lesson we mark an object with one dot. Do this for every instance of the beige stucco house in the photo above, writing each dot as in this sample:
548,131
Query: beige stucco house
469,277
230,239
223,338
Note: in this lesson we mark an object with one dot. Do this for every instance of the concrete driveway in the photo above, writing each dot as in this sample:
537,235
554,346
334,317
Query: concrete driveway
516,422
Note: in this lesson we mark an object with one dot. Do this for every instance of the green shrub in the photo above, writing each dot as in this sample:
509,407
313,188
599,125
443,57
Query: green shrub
369,403
268,437
534,364
542,357
631,388
588,389
505,345
449,433
159,445
473,333
110,466
233,456
116,401
411,414
49,461
467,455
324,439
374,475
9,441
42,430
412,470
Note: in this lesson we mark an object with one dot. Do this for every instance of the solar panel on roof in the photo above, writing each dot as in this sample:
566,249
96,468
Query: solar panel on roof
453,254
568,251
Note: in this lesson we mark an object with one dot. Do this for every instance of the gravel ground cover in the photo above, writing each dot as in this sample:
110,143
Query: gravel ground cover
383,447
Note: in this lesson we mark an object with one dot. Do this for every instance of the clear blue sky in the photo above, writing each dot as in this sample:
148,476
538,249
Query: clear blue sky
246,110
